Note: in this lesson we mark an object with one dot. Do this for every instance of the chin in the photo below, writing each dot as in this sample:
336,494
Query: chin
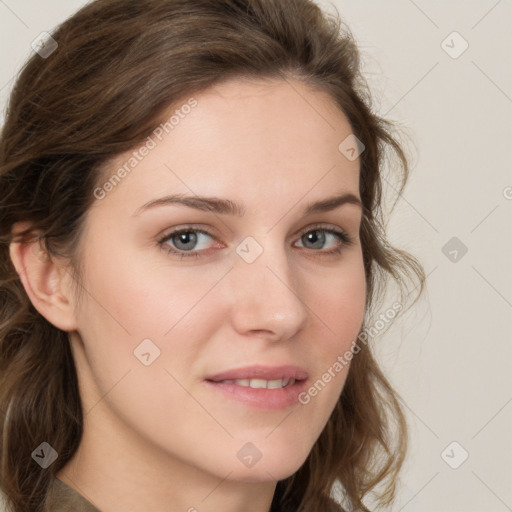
276,467
262,474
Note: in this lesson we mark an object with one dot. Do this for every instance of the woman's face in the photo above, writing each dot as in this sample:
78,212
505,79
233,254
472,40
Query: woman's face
262,287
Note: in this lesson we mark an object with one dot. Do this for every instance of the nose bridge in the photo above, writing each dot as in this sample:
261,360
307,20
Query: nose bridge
266,294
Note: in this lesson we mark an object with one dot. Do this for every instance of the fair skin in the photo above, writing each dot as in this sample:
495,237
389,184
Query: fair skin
157,437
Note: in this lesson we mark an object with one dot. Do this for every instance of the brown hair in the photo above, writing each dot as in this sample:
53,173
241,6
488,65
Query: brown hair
118,65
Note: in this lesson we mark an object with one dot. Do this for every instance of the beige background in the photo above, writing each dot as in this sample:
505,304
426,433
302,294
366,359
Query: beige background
451,357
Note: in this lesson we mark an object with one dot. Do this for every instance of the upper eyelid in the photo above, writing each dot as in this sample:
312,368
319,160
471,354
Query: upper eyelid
213,231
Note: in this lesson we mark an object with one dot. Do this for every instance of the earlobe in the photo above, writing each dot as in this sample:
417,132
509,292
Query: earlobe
45,280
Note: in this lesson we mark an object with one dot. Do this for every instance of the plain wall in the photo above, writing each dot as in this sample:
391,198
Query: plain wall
450,358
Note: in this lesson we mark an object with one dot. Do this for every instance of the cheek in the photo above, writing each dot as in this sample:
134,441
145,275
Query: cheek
338,301
337,306
129,300
143,298
127,303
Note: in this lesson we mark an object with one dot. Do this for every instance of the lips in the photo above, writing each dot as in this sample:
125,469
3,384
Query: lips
264,387
268,373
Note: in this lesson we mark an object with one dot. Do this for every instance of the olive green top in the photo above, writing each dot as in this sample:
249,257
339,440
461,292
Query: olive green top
65,499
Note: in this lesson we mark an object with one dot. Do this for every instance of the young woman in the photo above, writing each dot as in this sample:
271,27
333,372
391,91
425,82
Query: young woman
193,261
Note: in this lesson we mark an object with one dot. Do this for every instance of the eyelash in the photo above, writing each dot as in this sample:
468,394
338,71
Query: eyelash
346,240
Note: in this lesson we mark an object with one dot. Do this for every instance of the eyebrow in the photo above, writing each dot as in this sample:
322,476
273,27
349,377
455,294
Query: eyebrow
229,207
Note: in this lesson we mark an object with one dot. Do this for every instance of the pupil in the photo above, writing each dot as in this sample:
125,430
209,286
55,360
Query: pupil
313,237
187,238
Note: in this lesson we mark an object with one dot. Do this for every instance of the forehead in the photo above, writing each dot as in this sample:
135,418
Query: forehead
272,112
271,140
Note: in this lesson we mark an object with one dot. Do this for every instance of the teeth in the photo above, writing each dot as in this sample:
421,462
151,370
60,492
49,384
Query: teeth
262,383
273,384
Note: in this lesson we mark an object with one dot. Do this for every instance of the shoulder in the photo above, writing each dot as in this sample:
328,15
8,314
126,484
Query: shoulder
63,498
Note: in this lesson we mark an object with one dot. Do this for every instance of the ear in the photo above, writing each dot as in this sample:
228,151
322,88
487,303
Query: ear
45,279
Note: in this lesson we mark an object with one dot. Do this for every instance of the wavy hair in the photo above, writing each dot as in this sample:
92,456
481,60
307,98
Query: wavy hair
119,64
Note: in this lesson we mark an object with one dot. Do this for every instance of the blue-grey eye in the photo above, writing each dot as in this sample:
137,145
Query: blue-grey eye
318,237
187,240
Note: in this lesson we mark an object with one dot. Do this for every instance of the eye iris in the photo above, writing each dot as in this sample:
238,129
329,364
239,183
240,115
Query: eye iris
313,237
187,237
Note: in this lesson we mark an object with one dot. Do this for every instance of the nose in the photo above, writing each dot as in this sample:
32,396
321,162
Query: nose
266,300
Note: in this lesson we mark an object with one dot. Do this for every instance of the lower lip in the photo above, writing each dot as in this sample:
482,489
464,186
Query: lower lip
262,398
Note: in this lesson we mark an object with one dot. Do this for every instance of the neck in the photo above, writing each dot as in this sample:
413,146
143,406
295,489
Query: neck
119,473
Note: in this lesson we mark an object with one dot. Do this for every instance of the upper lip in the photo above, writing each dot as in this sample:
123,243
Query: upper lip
261,372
